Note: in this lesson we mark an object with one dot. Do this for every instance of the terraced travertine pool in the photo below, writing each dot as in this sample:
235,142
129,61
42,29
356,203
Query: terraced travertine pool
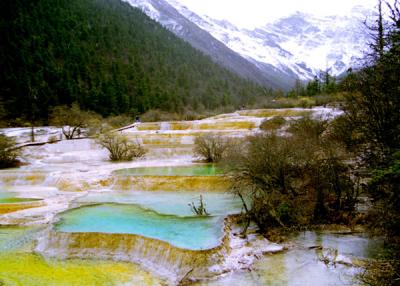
108,211
189,232
19,265
172,203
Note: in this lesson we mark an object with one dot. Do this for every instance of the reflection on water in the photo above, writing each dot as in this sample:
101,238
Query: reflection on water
357,246
302,264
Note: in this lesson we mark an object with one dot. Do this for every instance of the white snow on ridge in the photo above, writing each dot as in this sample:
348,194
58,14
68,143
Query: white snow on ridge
300,45
146,7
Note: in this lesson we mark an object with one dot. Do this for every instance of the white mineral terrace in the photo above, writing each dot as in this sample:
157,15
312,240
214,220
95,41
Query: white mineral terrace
79,188
61,172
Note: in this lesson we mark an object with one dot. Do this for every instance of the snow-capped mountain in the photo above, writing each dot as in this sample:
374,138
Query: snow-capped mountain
297,46
164,13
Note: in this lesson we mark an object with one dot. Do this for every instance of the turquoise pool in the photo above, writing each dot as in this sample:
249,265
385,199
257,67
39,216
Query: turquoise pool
195,170
189,232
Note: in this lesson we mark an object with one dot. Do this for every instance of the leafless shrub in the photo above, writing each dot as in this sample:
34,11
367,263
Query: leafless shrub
72,119
293,180
200,209
120,148
210,147
8,153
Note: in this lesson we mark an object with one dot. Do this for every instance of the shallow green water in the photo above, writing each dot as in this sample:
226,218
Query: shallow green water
16,200
16,238
10,197
196,170
185,232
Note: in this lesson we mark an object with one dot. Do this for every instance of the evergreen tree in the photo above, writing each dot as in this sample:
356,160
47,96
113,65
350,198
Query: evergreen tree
313,87
108,57
372,114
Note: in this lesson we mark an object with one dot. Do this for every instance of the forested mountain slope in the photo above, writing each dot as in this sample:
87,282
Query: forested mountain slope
108,57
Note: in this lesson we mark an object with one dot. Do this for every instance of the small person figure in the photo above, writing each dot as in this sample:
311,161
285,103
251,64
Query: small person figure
137,120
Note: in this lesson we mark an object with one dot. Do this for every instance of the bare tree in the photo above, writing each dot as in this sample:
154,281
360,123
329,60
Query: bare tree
210,147
72,119
8,152
120,147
